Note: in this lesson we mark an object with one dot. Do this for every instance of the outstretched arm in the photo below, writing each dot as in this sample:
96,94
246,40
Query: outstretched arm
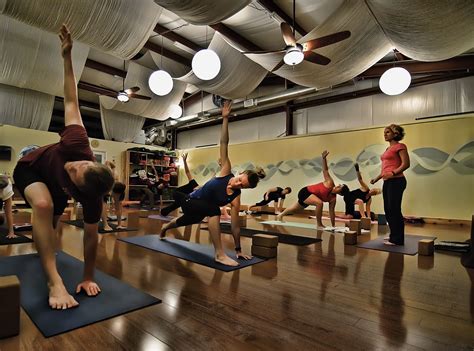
186,168
359,178
72,115
224,144
327,177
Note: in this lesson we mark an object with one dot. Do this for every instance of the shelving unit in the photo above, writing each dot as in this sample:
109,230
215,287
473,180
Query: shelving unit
165,164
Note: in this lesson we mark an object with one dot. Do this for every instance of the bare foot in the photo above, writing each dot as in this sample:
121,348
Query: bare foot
162,233
226,260
60,299
320,225
108,228
12,236
279,218
388,243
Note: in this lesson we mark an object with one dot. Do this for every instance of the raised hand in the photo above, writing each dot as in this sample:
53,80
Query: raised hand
356,166
66,41
226,108
324,154
184,156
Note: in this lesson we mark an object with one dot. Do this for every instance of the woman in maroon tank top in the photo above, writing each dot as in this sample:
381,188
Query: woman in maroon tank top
316,195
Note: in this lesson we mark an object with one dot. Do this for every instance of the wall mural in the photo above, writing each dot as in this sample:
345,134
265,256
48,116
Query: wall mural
424,161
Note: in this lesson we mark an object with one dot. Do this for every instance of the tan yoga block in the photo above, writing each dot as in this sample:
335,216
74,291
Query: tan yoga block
265,240
354,224
426,247
66,216
79,213
244,207
242,220
133,219
350,237
22,217
262,251
365,223
9,306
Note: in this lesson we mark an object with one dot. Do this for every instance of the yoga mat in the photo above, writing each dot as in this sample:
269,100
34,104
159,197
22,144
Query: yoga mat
115,299
282,238
338,219
291,224
163,218
80,223
410,247
114,218
22,227
197,253
20,240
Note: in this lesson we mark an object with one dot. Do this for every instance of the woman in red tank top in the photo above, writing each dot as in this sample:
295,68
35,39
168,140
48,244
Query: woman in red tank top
395,160
316,195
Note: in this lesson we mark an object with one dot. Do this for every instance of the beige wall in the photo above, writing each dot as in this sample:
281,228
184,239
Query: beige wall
443,193
18,138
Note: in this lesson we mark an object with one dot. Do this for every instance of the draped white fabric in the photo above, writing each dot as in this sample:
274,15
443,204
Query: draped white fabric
156,108
31,58
25,108
203,12
238,76
120,126
427,30
118,27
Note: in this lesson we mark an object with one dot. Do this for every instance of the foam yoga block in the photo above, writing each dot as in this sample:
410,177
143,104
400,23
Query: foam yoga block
243,220
426,247
265,240
133,219
9,306
22,217
365,223
262,251
354,225
350,237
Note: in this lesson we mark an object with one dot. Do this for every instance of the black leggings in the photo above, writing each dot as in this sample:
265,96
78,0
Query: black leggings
194,210
392,201
185,189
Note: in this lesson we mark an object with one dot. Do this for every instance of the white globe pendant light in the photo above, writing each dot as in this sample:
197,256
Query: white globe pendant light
206,64
175,111
395,81
160,83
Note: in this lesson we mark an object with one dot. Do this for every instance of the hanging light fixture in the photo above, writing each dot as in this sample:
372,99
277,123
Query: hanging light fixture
206,64
160,82
176,111
122,96
294,55
395,81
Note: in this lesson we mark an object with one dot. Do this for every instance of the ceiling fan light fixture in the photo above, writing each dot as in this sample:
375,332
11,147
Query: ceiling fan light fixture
206,64
122,96
395,81
294,55
160,83
176,111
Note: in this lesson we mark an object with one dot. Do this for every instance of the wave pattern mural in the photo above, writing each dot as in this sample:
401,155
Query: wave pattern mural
424,161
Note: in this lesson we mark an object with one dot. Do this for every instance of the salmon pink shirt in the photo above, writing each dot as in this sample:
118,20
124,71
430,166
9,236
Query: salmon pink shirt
391,159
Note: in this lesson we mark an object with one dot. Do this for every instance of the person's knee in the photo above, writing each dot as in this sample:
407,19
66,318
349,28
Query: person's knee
42,205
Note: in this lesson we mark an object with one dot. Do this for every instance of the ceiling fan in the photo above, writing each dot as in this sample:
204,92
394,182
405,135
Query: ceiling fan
296,53
124,95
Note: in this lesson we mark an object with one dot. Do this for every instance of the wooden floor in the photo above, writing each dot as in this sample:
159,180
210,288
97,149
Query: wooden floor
317,297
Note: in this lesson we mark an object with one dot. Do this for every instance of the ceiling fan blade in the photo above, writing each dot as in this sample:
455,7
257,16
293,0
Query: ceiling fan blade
326,40
132,90
142,97
263,52
316,58
281,63
111,94
287,33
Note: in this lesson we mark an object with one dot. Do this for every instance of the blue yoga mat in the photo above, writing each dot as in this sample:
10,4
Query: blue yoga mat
410,247
197,253
115,299
163,218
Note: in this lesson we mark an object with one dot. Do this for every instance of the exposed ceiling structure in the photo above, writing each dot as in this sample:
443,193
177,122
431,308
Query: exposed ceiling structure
168,40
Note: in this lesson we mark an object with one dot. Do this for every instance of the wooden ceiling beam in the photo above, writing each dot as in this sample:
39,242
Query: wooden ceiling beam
169,34
236,37
105,68
167,53
272,7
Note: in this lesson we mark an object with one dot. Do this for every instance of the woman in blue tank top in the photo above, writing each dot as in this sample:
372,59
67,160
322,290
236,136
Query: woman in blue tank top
219,191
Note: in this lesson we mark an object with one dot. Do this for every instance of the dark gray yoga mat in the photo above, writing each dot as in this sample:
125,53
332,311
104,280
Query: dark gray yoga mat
197,253
80,223
163,218
282,238
410,247
115,299
20,240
